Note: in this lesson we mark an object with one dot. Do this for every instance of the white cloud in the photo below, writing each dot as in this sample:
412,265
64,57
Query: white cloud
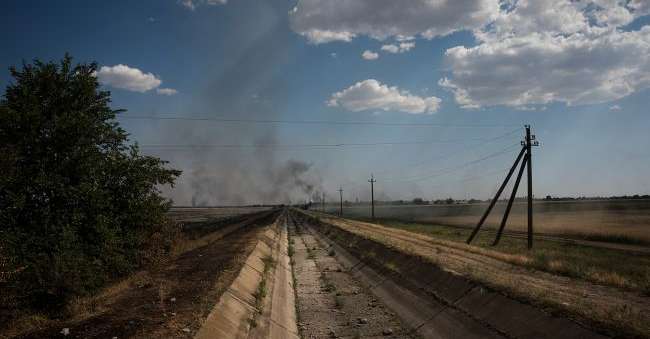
323,21
193,4
317,36
166,91
615,108
401,48
390,48
406,46
369,55
125,77
543,51
372,95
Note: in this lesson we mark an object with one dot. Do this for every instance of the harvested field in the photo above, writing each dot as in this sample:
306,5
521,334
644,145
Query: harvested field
202,214
624,221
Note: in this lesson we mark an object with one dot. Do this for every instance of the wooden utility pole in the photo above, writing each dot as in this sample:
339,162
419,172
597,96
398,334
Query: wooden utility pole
526,153
529,143
372,182
341,207
323,201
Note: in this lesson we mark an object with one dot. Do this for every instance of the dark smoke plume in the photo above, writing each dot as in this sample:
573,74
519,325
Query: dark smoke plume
252,84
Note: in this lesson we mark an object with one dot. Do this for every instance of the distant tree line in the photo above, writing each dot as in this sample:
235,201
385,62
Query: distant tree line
615,197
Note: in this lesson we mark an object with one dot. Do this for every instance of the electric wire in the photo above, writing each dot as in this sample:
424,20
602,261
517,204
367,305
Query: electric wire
452,154
458,167
334,145
312,122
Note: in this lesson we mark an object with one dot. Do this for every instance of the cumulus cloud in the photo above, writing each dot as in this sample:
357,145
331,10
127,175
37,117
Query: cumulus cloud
390,48
372,95
369,55
193,4
527,52
166,91
317,36
543,51
323,21
401,48
615,108
125,77
131,79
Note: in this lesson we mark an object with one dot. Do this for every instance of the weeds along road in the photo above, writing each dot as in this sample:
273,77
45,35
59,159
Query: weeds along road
458,272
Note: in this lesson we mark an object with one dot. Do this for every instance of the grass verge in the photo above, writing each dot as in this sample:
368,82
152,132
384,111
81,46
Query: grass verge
602,266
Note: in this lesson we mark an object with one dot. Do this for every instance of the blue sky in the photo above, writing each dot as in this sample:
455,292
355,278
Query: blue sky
583,88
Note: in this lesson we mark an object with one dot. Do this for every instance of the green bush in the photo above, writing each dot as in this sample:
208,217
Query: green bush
79,205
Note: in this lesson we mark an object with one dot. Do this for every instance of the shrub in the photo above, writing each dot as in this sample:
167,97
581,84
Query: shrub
78,204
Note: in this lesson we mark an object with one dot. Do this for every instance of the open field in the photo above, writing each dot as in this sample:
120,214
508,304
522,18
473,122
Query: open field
626,221
613,267
201,214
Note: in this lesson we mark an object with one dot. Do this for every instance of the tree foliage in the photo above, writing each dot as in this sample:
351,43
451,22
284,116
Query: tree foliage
78,202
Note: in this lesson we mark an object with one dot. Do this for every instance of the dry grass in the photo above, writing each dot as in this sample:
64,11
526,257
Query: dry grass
201,214
603,266
525,275
623,221
79,308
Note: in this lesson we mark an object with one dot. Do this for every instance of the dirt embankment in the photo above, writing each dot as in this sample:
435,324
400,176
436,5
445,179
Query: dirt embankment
171,302
494,292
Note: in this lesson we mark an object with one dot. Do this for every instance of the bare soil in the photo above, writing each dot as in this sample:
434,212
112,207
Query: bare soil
173,301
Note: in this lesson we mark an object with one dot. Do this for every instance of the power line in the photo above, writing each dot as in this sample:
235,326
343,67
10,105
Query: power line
461,166
337,145
453,154
313,122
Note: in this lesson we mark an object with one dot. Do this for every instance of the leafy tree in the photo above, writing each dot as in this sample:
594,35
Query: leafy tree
79,205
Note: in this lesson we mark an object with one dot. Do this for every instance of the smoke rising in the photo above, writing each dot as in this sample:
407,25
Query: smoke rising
252,84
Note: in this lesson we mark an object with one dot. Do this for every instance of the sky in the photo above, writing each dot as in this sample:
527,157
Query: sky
428,96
